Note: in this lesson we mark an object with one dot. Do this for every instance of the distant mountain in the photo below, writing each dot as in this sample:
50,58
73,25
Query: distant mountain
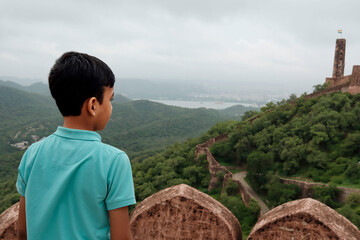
131,88
118,98
39,87
43,89
21,81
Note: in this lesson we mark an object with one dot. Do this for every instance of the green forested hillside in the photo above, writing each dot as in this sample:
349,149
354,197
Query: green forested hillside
138,127
315,140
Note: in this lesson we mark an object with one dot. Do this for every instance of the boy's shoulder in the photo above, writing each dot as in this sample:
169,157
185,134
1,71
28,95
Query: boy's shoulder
107,148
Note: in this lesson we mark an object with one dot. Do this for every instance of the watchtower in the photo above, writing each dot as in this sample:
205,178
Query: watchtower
339,61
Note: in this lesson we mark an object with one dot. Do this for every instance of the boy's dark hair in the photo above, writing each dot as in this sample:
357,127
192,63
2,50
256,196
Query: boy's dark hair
76,77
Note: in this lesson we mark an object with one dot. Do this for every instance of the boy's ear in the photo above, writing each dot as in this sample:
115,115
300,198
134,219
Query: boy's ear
91,106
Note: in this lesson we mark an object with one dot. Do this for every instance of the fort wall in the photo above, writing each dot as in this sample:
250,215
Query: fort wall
333,82
308,192
214,167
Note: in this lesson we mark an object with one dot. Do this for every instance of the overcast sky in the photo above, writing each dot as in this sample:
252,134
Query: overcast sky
284,43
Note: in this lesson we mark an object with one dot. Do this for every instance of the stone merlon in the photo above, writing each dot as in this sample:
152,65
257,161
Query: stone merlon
304,219
183,212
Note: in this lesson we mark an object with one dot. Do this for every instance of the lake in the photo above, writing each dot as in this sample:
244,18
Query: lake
201,104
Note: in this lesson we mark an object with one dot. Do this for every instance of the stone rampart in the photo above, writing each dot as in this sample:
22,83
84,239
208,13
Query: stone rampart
307,189
339,88
350,83
214,167
245,195
354,87
333,82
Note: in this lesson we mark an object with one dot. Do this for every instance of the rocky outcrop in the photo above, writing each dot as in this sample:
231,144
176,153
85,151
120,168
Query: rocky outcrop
8,223
303,219
183,212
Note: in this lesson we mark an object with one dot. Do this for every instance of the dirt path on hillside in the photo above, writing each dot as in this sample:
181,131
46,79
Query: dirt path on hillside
240,177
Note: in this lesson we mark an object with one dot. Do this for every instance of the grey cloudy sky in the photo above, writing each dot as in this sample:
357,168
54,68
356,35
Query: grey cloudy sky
286,43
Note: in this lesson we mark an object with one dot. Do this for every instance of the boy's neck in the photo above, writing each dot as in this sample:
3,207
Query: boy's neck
78,122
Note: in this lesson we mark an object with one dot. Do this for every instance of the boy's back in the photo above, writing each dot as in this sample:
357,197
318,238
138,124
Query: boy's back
72,185
71,181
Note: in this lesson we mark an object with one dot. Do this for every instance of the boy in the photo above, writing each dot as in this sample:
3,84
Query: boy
72,185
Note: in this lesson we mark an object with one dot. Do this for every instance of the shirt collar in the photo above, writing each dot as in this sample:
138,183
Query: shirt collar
77,134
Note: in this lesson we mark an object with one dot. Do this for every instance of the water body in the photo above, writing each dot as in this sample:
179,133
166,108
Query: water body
198,104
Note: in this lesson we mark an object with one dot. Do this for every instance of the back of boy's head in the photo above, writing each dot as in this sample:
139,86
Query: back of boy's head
76,77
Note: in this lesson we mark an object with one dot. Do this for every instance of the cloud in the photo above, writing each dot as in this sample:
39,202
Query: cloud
277,42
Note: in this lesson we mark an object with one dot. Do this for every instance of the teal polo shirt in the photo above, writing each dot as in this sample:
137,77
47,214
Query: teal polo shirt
70,180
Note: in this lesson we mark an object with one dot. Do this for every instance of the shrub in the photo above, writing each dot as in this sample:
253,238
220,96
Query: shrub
232,188
353,200
327,195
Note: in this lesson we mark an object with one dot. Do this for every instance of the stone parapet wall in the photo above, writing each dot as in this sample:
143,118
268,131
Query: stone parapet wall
339,88
355,80
214,167
245,195
333,82
182,212
211,141
307,189
354,87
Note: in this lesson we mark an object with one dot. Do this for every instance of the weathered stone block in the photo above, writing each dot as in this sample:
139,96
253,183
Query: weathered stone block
8,223
304,219
183,212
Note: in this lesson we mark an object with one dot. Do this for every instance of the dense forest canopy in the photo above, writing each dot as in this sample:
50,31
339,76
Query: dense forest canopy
310,139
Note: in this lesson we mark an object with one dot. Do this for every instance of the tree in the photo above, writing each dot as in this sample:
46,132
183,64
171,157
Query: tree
320,87
232,188
293,154
258,164
353,172
327,195
279,193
